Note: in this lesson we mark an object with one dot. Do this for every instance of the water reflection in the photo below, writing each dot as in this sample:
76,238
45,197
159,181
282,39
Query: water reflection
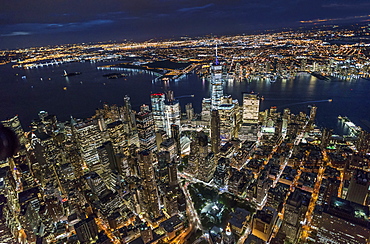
311,85
349,98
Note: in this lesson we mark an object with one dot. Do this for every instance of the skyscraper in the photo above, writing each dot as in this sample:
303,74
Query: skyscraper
228,122
216,83
198,151
343,221
363,142
149,186
145,128
295,210
172,115
359,187
169,145
107,156
206,109
157,100
221,171
129,116
215,131
15,124
86,230
164,159
202,163
325,138
175,132
117,132
89,139
202,144
251,108
189,111
207,167
263,222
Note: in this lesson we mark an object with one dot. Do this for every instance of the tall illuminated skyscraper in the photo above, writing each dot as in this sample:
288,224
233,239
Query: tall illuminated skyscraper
189,111
295,210
158,107
172,115
129,116
118,136
312,117
107,156
149,185
227,113
363,142
216,83
215,131
86,230
207,167
251,108
343,221
198,151
145,129
202,163
89,139
264,222
15,125
164,159
175,132
206,109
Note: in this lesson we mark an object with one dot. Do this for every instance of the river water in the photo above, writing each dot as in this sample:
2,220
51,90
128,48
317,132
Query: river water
78,96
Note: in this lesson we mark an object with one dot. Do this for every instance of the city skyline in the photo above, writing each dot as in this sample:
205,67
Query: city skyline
239,139
151,192
250,59
50,23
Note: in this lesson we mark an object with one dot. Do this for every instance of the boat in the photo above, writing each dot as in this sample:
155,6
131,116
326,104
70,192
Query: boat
70,74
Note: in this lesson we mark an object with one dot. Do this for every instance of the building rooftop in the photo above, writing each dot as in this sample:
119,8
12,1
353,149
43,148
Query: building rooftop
137,241
351,211
89,219
267,214
168,142
29,194
252,239
238,217
170,224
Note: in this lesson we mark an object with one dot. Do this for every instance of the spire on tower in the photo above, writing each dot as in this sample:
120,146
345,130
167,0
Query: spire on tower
216,62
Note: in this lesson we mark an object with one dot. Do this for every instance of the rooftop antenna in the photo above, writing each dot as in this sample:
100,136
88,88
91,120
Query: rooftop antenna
216,62
216,50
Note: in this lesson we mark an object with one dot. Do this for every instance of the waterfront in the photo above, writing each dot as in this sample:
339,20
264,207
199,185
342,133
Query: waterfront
46,89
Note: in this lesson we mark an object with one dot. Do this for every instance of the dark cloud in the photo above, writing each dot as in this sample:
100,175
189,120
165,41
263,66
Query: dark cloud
192,9
44,21
17,33
40,28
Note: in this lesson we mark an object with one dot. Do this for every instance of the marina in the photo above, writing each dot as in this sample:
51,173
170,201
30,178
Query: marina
354,129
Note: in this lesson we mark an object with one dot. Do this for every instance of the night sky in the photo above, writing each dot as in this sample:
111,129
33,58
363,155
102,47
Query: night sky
25,23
